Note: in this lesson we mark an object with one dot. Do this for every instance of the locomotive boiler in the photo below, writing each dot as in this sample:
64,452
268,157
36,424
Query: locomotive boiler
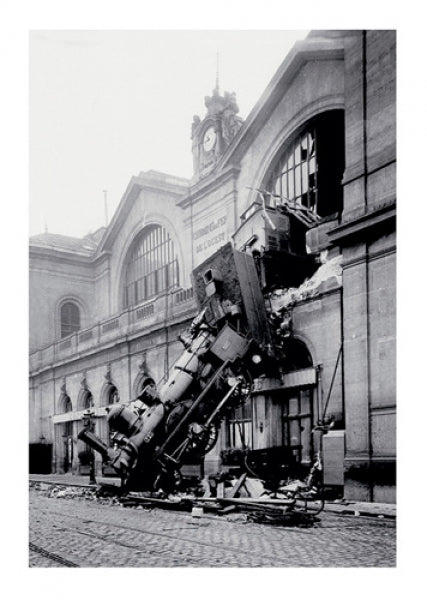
227,345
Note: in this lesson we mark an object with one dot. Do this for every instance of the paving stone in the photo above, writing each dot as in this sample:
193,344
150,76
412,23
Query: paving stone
93,534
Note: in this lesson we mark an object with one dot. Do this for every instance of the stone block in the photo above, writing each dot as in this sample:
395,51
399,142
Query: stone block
383,433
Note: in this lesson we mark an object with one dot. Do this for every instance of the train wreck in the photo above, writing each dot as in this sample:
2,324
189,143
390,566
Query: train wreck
238,337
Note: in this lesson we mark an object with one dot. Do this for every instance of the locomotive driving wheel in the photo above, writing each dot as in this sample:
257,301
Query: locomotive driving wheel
202,439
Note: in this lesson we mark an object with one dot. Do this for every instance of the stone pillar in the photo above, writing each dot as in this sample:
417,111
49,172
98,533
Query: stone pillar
57,449
356,373
75,463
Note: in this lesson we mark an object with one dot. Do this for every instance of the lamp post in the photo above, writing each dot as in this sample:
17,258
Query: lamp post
89,424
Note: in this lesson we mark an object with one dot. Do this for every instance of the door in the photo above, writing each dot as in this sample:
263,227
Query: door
239,426
68,446
297,423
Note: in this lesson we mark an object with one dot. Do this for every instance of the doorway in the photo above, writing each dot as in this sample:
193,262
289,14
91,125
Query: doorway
297,424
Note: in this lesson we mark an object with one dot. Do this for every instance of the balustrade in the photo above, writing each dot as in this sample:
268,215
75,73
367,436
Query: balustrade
165,307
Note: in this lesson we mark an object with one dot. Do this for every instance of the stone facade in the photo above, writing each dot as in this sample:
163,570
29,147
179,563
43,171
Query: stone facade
347,328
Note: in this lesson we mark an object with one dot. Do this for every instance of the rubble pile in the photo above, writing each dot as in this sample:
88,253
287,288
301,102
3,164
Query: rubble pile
331,269
68,492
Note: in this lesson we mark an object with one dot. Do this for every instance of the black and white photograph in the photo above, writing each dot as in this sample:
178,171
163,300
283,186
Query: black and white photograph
207,373
212,298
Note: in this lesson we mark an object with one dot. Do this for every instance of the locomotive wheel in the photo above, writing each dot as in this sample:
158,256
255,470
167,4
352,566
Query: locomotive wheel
202,440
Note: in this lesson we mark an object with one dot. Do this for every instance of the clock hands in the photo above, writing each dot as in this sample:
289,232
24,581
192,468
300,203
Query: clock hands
209,139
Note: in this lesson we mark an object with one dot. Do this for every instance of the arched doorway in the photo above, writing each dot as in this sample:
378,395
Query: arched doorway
67,434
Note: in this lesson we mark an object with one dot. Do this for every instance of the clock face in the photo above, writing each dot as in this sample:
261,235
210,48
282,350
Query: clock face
209,139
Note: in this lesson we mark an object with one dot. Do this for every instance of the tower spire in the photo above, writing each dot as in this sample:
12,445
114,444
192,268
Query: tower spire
106,207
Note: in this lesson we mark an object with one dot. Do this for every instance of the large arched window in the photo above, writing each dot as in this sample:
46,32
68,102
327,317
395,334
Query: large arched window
310,169
70,318
152,267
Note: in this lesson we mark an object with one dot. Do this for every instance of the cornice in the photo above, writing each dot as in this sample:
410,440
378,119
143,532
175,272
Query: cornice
353,228
136,185
60,256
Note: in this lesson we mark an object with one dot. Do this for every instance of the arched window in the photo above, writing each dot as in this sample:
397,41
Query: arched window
296,355
141,381
152,267
85,400
113,395
68,405
64,403
70,318
310,169
65,406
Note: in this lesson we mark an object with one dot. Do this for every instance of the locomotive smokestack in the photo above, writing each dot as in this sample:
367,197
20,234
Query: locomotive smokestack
94,442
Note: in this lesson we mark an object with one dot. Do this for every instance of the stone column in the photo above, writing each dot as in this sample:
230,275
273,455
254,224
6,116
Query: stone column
356,373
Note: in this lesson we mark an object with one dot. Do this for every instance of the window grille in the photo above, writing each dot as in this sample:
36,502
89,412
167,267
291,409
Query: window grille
152,267
297,423
239,426
310,168
295,177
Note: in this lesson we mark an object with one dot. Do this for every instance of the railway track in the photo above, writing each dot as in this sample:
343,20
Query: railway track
54,557
138,531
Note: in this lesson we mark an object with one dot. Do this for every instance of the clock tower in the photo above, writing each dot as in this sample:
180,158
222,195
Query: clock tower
212,135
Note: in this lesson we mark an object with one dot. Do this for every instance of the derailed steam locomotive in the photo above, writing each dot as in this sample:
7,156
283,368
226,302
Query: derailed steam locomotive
230,342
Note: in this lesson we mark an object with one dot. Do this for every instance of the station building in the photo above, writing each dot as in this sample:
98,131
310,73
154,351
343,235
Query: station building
106,310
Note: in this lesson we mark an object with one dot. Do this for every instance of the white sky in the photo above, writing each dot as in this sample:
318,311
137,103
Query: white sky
105,105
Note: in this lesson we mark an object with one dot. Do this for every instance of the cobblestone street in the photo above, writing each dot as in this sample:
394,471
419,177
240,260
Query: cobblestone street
79,532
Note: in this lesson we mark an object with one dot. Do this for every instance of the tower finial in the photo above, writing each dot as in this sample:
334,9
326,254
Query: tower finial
217,73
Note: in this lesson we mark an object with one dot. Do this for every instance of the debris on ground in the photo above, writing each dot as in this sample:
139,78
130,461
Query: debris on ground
234,496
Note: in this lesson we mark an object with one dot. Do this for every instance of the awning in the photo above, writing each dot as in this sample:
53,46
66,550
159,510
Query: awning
293,379
300,378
